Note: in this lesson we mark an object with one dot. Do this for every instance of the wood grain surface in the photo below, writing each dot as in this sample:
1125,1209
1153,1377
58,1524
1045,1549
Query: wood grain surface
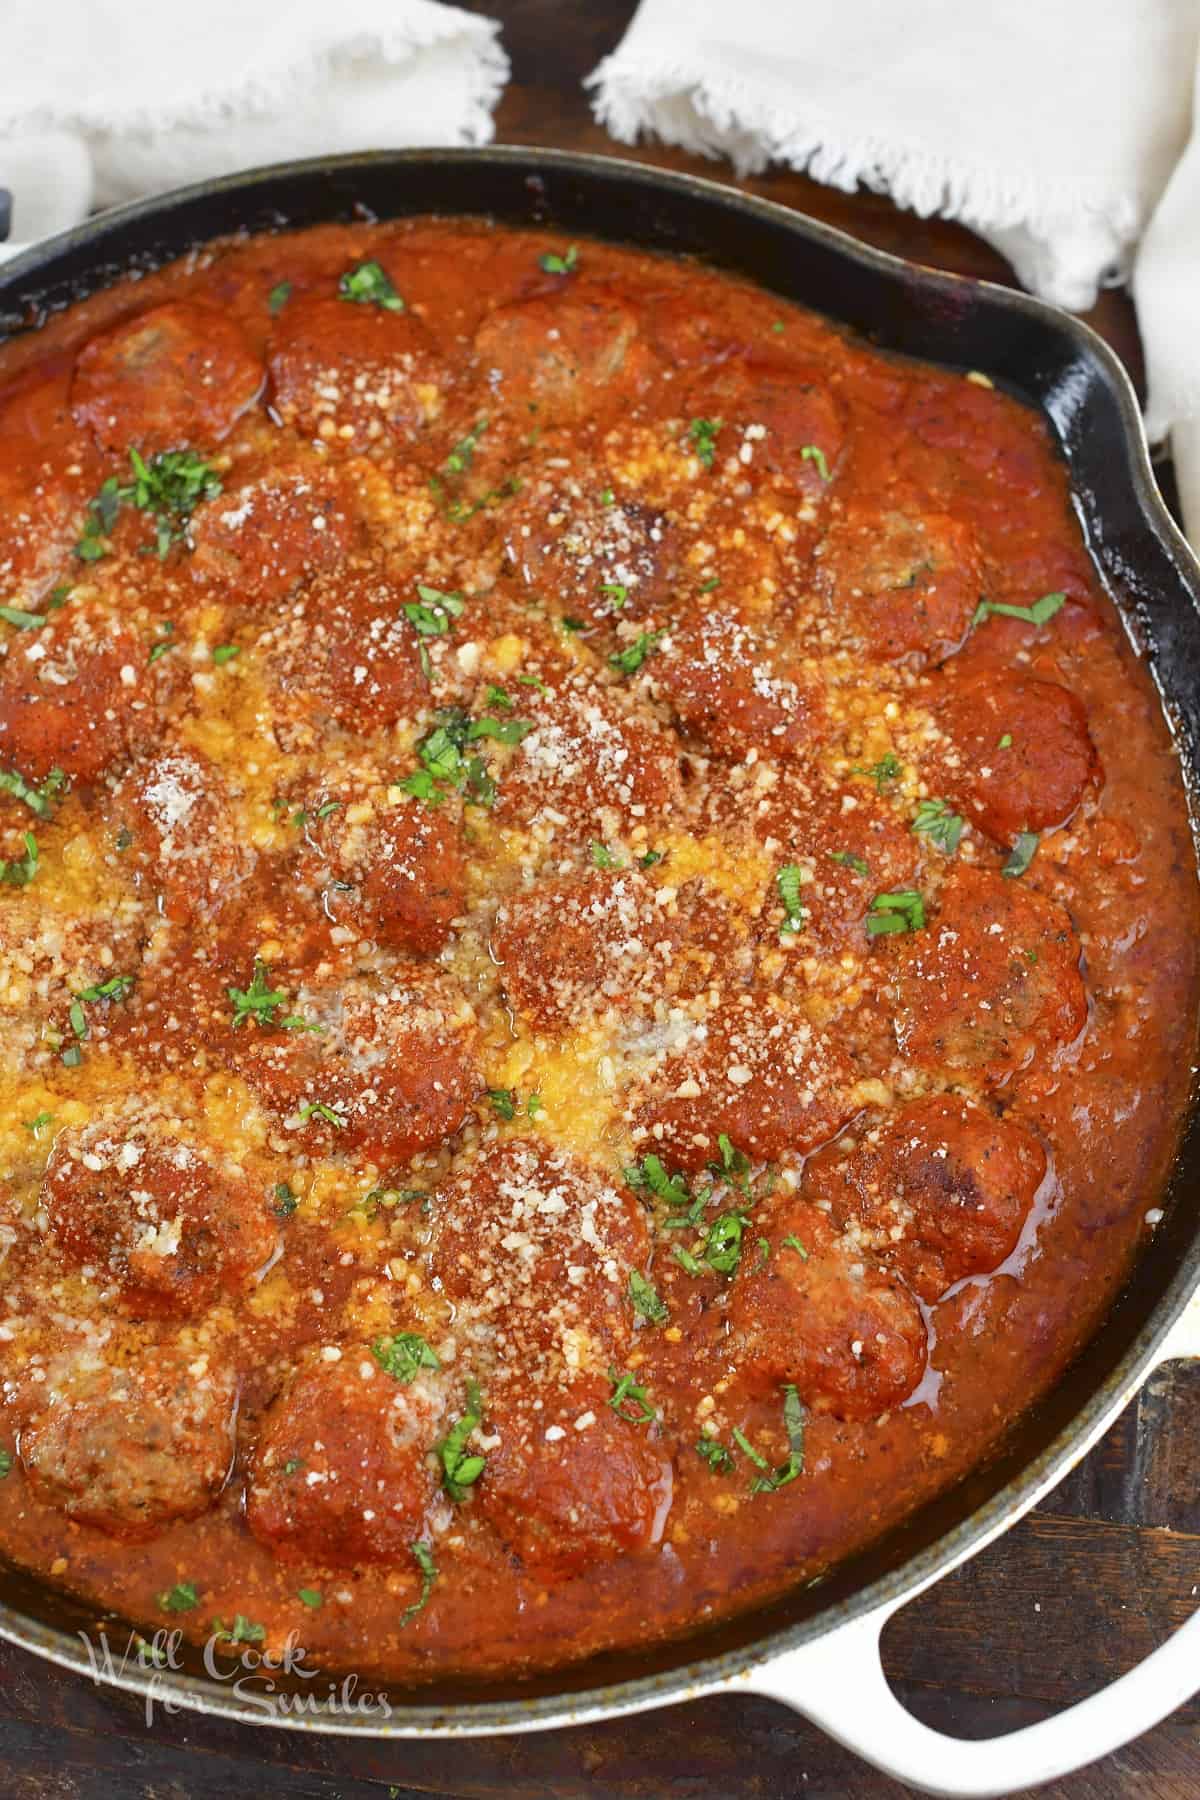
1073,1596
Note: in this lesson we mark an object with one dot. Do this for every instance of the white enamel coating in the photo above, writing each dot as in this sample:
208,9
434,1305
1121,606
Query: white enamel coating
838,1683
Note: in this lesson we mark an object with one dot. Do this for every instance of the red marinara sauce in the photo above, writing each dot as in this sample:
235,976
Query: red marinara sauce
597,943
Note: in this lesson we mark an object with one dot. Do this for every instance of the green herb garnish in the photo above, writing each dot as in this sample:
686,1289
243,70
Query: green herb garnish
630,660
20,871
369,285
629,1399
1040,613
703,435
788,882
810,453
888,768
180,1598
39,800
404,1355
903,910
713,1452
278,297
460,1471
849,862
429,1574
551,264
942,827
1021,855
645,1299
431,616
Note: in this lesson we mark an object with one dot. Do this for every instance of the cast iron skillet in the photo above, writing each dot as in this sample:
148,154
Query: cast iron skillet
1065,370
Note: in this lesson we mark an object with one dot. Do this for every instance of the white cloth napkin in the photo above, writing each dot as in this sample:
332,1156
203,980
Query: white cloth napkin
107,100
1058,129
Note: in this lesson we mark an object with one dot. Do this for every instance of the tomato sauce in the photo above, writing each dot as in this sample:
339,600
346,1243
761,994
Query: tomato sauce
597,944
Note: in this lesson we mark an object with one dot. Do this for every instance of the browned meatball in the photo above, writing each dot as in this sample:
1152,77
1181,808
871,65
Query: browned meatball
350,374
390,1069
130,1448
171,1221
596,555
758,1072
730,691
399,872
990,981
184,843
591,767
341,1474
275,529
939,1190
178,375
345,650
781,413
1018,757
571,1484
901,584
71,707
536,1246
562,357
848,1335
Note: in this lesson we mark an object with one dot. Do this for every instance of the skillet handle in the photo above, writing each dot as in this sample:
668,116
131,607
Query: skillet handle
838,1683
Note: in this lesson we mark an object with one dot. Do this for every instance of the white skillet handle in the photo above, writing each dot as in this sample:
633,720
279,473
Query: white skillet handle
838,1683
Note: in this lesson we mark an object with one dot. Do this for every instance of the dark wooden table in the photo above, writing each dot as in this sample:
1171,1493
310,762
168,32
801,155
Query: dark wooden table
1076,1594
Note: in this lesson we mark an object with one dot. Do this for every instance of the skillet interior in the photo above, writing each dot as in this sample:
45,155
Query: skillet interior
1042,356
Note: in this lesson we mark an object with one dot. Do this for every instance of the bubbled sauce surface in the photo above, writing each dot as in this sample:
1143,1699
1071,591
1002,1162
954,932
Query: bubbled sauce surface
455,921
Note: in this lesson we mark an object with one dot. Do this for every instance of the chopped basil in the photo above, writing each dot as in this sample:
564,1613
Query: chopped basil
650,1177
629,1399
286,1201
651,857
496,696
535,1106
37,1125
1005,743
603,858
942,827
317,1109
888,768
369,285
703,435
1021,855
709,586
645,1299
115,988
504,1102
723,1247
850,862
170,486
180,1598
225,653
278,297
460,458
1040,613
39,800
791,1242
20,871
260,1001
687,1262
607,498
503,731
460,1471
769,1479
444,769
903,910
630,660
788,882
616,592
733,1166
423,1556
713,1452
533,681
551,264
310,1597
78,1018
432,615
71,1057
810,453
24,621
404,1355
242,1631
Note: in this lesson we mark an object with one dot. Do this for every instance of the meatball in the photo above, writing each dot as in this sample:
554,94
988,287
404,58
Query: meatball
562,357
780,413
535,1246
341,1474
901,584
178,375
1018,755
382,1064
846,1333
130,1448
47,476
938,1190
595,555
992,979
68,702
274,530
590,767
571,1484
397,870
171,1221
756,1071
344,649
571,948
352,374
184,842
725,687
